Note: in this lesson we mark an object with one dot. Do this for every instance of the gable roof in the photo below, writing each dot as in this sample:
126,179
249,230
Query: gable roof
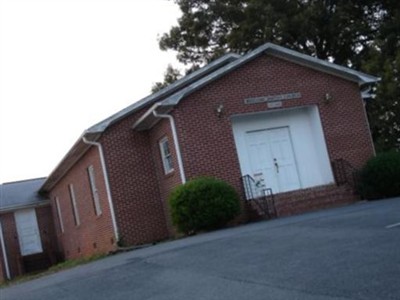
165,92
21,194
170,96
148,119
281,52
94,132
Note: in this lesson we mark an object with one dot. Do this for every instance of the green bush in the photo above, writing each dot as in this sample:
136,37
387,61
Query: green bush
380,177
203,204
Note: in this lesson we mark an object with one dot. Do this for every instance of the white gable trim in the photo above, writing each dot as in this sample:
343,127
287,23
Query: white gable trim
274,50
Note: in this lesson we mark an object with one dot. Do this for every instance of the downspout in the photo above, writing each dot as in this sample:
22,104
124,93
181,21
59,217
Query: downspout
368,127
107,184
3,249
176,143
366,96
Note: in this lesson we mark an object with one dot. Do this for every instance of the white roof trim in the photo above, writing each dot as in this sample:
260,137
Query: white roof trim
294,56
165,92
24,206
321,65
278,51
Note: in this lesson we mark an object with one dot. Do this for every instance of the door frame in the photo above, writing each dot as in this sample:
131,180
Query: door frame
307,137
279,188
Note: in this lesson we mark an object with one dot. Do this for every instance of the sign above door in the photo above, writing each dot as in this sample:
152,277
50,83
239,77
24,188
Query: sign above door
272,98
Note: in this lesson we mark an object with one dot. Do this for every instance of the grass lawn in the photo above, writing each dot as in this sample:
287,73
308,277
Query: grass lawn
68,264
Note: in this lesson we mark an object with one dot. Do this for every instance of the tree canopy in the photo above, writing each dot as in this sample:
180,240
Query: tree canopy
363,34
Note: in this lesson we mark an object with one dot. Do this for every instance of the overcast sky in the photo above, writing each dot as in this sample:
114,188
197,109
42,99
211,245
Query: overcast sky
66,65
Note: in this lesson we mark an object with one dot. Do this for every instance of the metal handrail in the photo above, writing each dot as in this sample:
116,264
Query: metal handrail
248,183
344,173
259,196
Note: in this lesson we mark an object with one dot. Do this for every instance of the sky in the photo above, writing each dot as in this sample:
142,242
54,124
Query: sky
68,64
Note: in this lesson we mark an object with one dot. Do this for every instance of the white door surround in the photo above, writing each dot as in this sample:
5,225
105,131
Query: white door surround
284,148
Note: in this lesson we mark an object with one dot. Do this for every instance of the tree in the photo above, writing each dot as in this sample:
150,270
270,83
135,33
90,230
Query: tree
330,29
383,59
355,33
170,76
384,110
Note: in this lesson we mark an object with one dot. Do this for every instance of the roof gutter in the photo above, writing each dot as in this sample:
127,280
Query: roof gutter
106,182
63,166
175,137
24,206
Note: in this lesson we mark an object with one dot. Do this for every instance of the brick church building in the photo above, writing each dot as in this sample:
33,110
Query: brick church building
294,124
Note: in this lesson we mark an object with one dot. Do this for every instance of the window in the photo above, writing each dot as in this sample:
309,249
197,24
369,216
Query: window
166,155
60,221
95,192
73,203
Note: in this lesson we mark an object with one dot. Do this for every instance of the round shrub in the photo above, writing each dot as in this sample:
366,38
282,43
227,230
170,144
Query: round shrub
204,203
380,177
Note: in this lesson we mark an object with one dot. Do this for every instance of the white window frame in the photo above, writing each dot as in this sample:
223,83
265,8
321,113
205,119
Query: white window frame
74,206
60,220
95,191
166,156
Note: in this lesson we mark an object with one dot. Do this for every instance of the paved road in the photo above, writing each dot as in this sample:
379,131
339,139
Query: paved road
351,252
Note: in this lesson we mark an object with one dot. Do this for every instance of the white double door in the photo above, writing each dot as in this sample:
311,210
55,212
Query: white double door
271,159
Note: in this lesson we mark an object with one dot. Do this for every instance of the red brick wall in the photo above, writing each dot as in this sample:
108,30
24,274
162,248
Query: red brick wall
315,198
47,232
95,234
166,181
12,244
3,276
47,235
207,142
134,185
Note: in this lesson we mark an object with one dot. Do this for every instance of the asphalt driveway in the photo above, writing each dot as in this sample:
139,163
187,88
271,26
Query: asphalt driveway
351,252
